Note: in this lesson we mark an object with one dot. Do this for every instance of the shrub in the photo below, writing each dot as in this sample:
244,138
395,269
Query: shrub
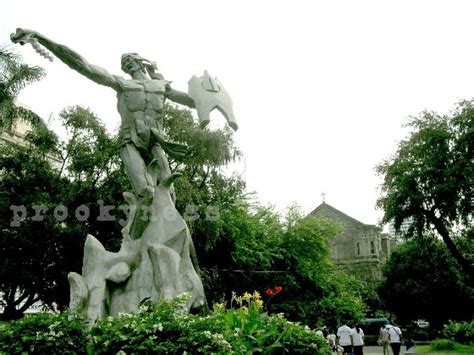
44,333
442,344
165,327
461,332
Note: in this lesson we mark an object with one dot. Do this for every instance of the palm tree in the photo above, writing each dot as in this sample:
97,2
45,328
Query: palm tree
14,76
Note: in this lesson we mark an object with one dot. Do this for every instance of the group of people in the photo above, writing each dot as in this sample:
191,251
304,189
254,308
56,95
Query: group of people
390,334
348,341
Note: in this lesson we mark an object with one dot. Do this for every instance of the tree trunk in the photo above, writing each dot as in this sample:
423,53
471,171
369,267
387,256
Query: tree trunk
466,266
11,313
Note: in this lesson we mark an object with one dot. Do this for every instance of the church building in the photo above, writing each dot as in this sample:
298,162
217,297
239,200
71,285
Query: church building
360,249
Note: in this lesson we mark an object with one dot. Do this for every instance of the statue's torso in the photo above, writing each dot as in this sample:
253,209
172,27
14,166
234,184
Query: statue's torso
140,104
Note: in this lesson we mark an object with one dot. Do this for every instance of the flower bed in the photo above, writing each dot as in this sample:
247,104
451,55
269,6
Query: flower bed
166,328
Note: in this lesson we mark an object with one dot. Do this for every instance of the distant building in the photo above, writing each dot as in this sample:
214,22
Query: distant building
17,135
361,249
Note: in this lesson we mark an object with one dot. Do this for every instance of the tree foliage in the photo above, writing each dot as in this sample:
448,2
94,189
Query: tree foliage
38,252
14,76
423,281
429,182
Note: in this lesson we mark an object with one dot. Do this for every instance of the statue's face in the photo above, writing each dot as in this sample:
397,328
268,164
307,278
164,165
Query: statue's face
130,65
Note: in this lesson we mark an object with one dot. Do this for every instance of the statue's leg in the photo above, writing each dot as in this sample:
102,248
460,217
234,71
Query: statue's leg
161,162
142,185
162,166
136,168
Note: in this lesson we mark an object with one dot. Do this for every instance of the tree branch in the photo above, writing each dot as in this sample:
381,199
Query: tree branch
205,177
19,300
31,300
444,233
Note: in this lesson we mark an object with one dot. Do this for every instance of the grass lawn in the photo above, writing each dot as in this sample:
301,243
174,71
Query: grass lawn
458,348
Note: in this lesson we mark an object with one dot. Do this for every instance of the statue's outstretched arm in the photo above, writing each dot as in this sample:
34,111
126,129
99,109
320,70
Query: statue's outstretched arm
69,57
179,97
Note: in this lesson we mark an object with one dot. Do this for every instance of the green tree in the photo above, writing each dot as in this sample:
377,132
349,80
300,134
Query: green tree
421,280
27,248
37,252
429,182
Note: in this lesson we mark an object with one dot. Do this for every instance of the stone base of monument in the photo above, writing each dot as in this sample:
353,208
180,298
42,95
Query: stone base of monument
156,266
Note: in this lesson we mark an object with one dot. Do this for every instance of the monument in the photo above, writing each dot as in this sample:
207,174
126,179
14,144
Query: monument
154,260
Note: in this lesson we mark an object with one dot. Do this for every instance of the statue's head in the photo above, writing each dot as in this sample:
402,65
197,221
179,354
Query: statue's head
133,63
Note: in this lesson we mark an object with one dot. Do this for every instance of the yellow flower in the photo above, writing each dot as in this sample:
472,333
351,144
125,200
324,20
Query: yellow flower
259,303
239,300
247,297
256,295
234,296
218,307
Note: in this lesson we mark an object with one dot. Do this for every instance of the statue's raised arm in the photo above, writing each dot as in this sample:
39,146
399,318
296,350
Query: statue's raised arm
69,57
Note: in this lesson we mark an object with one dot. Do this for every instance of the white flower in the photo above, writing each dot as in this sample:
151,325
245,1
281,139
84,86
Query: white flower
126,315
158,326
143,308
221,341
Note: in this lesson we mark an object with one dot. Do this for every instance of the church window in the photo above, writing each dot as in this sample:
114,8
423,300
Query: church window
372,247
358,248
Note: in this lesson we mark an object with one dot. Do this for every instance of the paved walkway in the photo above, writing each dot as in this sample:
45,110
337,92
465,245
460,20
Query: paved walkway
378,350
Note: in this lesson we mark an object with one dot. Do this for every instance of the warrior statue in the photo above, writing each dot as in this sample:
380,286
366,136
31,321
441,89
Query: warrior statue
154,261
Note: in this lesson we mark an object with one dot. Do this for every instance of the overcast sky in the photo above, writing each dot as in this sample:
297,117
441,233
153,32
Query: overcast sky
320,89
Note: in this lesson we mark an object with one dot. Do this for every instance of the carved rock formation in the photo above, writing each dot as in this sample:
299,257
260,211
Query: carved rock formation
157,265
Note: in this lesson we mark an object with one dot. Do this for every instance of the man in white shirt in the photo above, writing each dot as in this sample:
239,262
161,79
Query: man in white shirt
394,337
344,339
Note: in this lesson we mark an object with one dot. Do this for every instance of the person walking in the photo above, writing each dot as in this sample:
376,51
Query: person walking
357,340
394,338
331,337
344,339
383,339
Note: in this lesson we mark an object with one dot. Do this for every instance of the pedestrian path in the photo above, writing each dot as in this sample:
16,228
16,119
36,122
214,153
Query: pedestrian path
378,350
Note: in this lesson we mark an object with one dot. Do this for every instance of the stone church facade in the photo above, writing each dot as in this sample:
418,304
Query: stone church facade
360,249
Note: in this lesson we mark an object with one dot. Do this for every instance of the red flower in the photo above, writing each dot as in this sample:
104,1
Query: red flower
278,289
269,292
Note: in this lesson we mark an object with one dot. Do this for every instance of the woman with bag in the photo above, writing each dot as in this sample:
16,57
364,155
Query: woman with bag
394,337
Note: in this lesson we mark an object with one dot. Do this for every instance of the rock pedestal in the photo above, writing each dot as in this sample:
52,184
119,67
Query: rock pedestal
155,266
